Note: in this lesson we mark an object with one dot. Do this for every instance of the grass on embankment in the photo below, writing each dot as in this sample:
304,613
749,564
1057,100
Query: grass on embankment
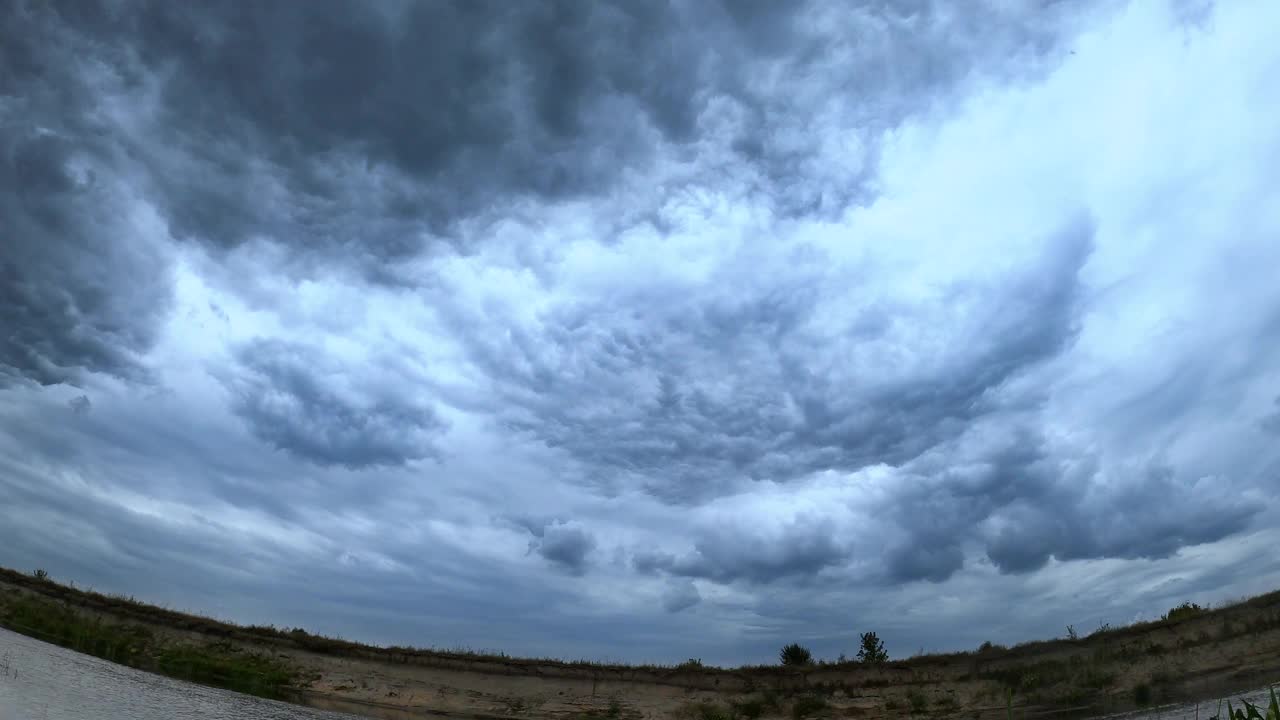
218,664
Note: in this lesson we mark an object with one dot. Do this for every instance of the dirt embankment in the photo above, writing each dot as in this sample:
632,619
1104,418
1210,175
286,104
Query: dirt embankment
1203,656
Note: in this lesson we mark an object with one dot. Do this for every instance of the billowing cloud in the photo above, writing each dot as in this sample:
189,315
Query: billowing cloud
563,544
80,404
721,382
1271,423
69,236
307,404
731,320
1025,499
680,596
799,551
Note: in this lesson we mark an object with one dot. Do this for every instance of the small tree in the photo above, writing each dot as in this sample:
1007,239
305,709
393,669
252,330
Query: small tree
795,654
872,651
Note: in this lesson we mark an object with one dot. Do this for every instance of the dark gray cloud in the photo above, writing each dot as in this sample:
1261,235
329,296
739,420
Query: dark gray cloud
436,111
680,596
80,404
731,554
690,394
1026,502
239,123
67,234
440,112
299,400
563,544
999,491
1271,423
931,556
1149,514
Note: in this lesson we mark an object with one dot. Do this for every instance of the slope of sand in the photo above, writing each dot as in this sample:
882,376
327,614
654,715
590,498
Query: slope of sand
1202,658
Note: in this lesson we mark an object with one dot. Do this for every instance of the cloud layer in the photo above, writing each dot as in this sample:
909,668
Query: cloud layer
686,329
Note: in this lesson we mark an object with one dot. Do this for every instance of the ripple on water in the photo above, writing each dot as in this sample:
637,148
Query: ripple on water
1196,711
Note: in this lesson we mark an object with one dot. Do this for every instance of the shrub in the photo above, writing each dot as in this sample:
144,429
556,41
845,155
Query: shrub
40,574
1142,694
795,654
919,703
1183,611
690,664
872,651
1071,633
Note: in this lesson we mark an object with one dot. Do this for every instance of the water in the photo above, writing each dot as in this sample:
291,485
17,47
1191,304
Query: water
39,681
1202,711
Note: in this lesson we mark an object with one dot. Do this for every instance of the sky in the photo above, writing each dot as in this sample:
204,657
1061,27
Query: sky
642,331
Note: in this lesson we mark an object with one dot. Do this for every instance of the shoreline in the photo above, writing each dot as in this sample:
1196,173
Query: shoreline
1204,656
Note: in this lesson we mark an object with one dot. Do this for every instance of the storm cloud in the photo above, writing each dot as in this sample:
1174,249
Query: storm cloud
1271,423
706,387
686,328
301,401
69,237
564,545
